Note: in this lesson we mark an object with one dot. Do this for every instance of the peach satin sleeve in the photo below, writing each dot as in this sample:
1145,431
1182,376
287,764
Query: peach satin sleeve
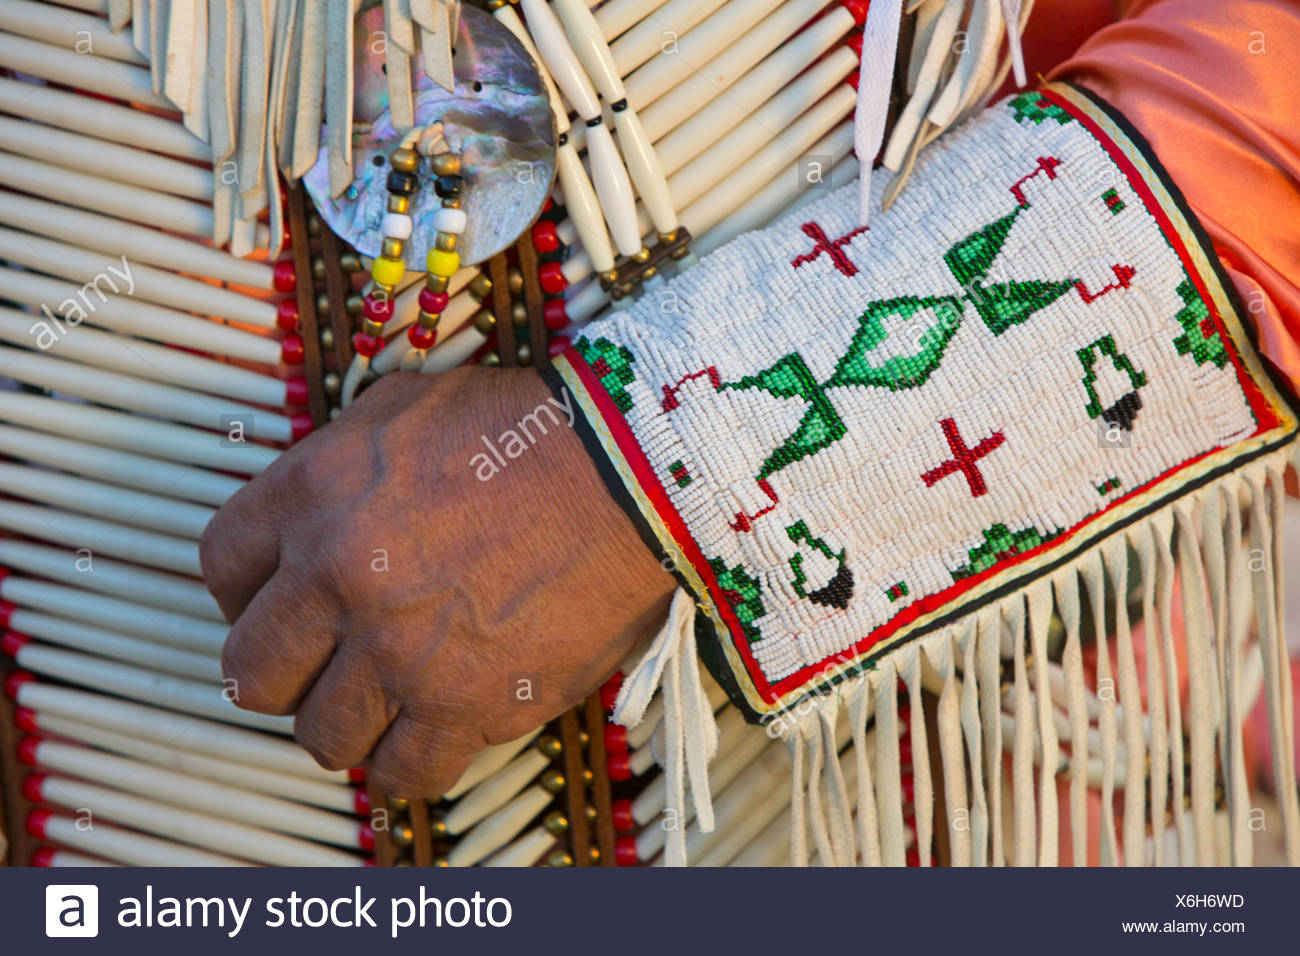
1214,85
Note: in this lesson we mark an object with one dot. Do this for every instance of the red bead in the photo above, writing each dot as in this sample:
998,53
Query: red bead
859,10
361,802
855,42
36,821
907,784
32,787
6,608
559,345
43,856
620,811
552,278
295,391
284,277
377,309
12,642
366,837
301,425
545,238
27,751
625,852
550,204
435,303
367,345
420,337
609,690
286,314
620,766
15,680
616,738
25,720
357,775
556,313
291,350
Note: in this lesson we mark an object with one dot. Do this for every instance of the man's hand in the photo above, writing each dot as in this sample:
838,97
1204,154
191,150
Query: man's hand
409,605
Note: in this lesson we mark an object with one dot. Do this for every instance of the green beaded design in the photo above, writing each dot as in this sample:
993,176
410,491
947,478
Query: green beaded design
612,364
742,593
1200,338
1000,544
799,533
1034,107
1088,356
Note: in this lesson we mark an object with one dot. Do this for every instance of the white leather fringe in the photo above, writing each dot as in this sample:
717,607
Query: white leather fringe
1004,692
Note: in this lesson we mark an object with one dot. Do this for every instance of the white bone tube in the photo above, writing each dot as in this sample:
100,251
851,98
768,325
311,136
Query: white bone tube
107,501
119,541
144,360
647,38
147,474
47,856
133,203
135,318
206,796
191,697
147,283
500,828
122,164
487,762
199,829
492,793
81,569
135,434
318,793
189,734
617,16
107,77
130,650
111,121
526,851
219,414
63,28
124,846
614,190
164,627
137,243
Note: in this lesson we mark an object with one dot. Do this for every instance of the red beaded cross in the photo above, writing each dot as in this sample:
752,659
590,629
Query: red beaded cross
964,459
833,247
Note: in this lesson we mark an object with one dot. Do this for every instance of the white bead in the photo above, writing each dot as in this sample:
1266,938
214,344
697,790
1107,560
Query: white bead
450,221
395,225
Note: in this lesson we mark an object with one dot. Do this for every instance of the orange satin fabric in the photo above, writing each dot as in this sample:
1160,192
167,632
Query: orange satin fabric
1214,85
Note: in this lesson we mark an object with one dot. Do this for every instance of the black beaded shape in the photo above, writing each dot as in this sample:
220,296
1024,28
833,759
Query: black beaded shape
402,184
448,187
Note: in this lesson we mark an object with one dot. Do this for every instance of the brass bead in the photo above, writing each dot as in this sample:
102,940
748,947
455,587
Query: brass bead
594,854
519,315
441,861
327,338
335,413
427,320
556,822
393,248
350,262
313,225
436,283
642,256
398,803
438,827
354,304
480,287
404,159
323,305
668,238
583,738
446,164
332,384
318,269
609,278
371,327
515,280
587,776
590,812
446,241
553,781
453,202
681,253
402,834
649,274
491,360
484,321
524,353
559,858
549,745
403,863
399,204
492,6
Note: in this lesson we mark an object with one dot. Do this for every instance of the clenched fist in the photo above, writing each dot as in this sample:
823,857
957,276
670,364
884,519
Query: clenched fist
392,590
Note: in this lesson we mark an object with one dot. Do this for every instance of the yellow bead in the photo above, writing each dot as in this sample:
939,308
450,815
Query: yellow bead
387,271
443,263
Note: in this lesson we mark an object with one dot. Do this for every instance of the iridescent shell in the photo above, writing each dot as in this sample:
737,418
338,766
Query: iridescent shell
498,119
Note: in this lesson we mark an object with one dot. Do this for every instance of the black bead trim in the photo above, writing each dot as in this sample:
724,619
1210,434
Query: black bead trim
620,106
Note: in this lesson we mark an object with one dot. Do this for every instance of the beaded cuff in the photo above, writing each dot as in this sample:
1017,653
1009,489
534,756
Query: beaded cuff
844,439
